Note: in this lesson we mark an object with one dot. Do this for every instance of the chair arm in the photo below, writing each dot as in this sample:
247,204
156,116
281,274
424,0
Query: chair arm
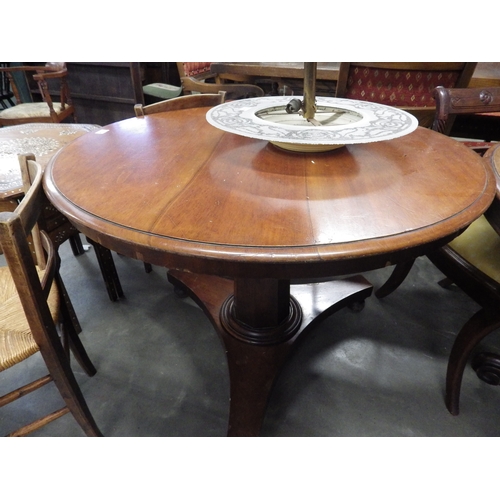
233,90
23,68
48,73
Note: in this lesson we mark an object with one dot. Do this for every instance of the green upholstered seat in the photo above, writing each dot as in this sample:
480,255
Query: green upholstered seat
162,90
479,244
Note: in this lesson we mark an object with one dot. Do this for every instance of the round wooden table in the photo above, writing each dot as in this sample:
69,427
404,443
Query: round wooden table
238,222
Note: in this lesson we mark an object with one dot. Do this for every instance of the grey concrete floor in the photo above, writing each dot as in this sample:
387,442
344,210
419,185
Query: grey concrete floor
162,370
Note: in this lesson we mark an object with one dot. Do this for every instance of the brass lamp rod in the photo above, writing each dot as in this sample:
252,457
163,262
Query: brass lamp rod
309,104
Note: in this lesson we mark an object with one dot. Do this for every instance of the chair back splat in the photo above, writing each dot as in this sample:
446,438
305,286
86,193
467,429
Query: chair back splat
35,307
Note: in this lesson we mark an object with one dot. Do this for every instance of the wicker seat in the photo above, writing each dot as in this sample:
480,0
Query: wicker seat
33,301
15,335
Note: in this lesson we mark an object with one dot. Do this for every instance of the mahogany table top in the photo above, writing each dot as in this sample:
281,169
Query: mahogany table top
172,190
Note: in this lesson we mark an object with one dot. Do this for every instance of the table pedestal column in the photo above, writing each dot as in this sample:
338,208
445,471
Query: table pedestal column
259,321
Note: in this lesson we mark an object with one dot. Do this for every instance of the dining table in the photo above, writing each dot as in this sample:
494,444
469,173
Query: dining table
267,241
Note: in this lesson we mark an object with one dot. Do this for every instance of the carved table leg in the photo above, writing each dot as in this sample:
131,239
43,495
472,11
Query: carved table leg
259,321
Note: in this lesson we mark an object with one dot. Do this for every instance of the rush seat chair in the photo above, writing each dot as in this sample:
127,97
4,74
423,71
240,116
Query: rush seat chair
36,314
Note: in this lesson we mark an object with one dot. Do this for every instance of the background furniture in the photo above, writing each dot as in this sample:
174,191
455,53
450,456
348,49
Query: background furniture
193,80
44,140
472,261
449,102
6,94
405,85
33,301
280,77
105,92
231,219
47,111
196,78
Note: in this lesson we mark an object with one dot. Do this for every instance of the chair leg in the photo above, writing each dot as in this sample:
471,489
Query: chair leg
108,270
479,326
67,306
397,277
80,353
76,244
71,329
59,368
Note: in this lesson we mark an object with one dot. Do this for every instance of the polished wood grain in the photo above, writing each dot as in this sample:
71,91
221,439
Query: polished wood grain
236,220
211,201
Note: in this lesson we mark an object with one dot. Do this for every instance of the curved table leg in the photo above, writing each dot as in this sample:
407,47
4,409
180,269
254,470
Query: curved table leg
256,354
399,273
475,329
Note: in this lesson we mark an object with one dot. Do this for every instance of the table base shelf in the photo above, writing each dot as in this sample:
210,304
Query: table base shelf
254,367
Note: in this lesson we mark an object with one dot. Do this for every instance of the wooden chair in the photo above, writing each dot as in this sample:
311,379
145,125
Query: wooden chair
47,111
182,102
193,76
6,93
33,301
409,86
472,260
449,103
